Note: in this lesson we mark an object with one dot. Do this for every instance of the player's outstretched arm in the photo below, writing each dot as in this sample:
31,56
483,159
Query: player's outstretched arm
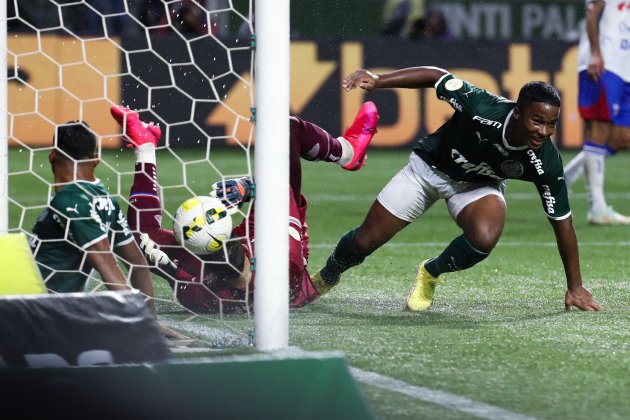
412,77
100,257
577,295
141,279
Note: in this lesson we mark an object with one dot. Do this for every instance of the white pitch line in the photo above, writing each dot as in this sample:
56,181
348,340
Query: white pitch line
522,196
445,399
583,244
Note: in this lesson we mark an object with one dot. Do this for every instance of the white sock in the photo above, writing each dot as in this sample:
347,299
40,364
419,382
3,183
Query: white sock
145,153
347,152
574,169
594,175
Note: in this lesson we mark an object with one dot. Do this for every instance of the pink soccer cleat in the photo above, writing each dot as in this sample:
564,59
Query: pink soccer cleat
360,134
136,131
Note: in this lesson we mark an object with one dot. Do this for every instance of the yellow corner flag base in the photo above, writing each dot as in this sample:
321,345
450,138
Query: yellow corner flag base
19,274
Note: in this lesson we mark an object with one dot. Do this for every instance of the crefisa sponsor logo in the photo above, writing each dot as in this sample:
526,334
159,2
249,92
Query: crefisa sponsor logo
537,162
550,201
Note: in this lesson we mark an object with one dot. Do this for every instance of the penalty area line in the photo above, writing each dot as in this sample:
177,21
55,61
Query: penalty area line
441,398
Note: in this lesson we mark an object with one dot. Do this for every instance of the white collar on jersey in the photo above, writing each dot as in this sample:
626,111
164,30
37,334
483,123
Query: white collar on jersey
505,142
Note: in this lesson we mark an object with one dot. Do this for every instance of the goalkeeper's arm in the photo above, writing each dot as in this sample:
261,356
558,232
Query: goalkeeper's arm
155,256
233,192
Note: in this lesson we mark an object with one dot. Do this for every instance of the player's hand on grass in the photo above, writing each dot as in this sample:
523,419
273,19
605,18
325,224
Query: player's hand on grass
360,78
171,334
233,192
153,252
582,299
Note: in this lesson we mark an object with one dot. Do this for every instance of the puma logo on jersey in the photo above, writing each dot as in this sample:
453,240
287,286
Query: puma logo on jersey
73,209
481,169
501,149
479,137
486,121
537,162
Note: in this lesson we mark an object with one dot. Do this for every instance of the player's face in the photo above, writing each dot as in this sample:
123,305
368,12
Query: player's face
535,122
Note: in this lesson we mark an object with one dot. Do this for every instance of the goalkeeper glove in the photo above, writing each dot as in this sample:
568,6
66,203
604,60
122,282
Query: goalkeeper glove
233,192
153,252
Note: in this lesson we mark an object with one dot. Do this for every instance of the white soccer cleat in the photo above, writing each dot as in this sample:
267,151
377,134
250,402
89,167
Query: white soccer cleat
608,217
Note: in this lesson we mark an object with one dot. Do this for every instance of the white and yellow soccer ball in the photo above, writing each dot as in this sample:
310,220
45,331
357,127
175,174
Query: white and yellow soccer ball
202,225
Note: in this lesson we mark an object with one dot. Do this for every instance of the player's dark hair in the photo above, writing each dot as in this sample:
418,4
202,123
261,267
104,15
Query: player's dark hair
76,140
538,92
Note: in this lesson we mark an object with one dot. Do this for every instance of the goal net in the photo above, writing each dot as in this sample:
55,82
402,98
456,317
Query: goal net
187,65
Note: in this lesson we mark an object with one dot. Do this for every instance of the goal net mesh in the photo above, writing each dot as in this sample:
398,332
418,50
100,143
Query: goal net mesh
186,65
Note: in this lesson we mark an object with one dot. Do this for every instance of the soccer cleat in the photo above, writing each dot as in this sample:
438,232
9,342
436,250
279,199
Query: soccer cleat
320,285
420,295
360,134
607,217
136,131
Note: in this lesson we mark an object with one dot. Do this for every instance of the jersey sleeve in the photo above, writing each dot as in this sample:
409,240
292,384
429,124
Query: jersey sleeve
74,212
461,95
551,185
554,195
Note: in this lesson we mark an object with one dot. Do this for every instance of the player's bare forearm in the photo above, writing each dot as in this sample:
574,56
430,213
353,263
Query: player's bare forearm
577,295
140,276
412,78
596,63
566,240
101,258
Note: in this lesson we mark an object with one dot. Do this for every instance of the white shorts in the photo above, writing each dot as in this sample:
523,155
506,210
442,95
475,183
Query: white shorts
418,186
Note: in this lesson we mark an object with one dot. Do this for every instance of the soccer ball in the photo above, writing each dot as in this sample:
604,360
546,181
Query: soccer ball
202,225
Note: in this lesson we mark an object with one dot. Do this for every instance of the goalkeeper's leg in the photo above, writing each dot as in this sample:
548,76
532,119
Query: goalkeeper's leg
145,210
349,151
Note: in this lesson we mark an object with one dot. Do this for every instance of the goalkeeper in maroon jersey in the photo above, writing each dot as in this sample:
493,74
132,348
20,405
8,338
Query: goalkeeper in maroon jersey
222,281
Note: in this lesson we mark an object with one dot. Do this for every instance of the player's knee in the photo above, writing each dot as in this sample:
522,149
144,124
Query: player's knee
485,236
295,128
296,257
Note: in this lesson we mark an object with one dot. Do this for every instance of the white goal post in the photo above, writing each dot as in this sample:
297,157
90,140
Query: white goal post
271,300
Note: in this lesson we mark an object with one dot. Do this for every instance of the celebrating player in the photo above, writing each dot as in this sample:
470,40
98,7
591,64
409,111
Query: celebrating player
222,281
487,140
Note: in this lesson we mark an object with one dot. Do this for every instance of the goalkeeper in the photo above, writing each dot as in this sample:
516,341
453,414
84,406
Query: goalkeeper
209,283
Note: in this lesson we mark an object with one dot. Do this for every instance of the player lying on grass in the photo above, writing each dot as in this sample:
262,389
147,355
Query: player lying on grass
487,140
201,283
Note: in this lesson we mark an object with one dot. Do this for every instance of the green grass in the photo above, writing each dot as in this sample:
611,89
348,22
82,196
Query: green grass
497,333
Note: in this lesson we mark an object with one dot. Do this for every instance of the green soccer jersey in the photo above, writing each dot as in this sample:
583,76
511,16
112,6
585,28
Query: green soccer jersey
79,215
471,146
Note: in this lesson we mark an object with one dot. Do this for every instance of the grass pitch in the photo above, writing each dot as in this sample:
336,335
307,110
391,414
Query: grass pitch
497,333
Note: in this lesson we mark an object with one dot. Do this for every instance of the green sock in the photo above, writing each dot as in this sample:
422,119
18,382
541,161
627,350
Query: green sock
458,255
343,257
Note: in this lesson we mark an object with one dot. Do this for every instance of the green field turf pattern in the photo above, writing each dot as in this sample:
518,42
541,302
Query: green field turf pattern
497,333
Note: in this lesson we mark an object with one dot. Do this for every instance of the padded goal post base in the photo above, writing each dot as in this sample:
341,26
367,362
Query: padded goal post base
266,386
